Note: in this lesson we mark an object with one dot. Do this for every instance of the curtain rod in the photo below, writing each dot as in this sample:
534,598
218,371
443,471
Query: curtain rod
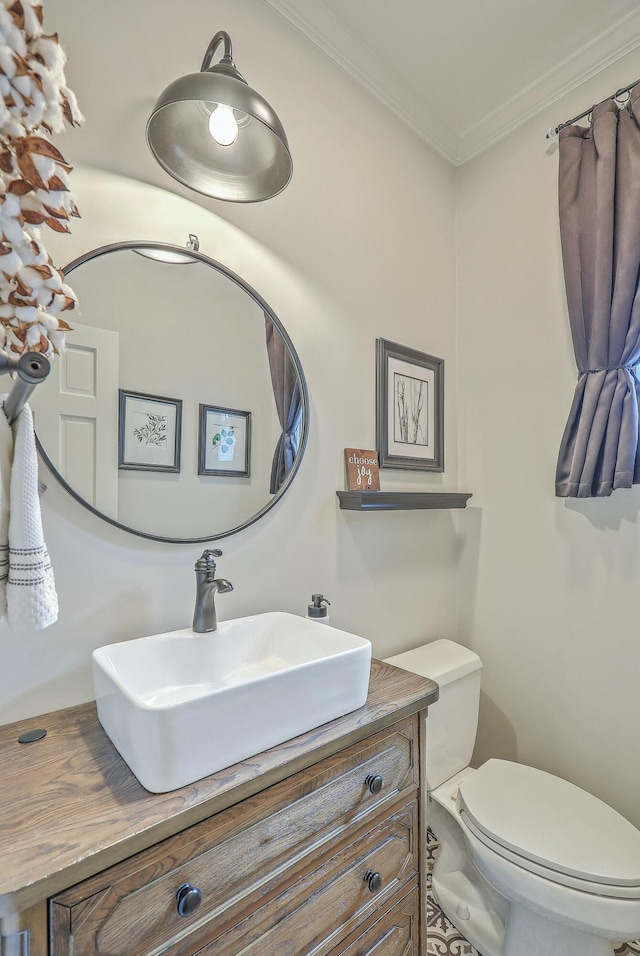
614,96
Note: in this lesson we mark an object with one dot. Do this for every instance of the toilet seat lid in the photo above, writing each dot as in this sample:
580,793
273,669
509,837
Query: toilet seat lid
552,822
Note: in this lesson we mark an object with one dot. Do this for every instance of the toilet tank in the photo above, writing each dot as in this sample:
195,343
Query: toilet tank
453,720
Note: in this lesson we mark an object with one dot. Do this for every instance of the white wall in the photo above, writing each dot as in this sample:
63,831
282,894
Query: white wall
360,245
548,587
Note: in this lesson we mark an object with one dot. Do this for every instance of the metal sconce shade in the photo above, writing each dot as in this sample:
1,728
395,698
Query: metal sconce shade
256,166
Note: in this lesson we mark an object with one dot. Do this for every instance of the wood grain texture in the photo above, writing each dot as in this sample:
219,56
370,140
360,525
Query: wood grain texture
421,931
394,934
239,858
321,908
35,919
70,806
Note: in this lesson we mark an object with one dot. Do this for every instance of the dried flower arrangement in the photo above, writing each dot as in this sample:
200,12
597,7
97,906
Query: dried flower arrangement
34,180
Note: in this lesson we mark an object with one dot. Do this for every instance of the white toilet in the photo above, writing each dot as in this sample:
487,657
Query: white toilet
529,864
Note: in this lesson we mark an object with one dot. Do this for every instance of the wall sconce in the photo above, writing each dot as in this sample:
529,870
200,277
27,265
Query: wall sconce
213,133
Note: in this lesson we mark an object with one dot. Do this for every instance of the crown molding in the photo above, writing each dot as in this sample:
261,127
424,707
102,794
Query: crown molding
618,41
329,33
322,27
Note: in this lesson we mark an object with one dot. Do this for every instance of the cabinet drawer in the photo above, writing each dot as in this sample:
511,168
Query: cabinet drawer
238,857
397,933
326,904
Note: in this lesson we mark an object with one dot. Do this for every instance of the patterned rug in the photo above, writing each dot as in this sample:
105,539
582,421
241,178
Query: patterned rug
443,939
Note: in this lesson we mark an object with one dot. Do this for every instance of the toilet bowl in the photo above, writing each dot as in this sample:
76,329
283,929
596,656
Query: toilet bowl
528,864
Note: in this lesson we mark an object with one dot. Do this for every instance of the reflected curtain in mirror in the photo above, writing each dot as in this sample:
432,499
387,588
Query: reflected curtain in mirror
599,200
288,399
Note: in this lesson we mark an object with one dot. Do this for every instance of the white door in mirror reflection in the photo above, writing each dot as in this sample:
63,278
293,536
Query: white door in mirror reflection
82,415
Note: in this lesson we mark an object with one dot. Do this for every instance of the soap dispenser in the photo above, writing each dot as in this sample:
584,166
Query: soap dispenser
317,610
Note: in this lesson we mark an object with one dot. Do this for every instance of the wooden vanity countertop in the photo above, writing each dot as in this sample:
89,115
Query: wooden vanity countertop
70,806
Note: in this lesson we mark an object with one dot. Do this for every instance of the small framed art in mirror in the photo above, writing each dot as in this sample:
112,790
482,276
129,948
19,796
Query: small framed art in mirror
225,441
149,429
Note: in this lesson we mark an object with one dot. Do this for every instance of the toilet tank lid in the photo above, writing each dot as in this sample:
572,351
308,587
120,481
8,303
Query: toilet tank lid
443,661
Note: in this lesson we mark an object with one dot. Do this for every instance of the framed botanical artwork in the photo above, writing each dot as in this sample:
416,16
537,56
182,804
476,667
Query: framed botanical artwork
225,441
149,429
409,408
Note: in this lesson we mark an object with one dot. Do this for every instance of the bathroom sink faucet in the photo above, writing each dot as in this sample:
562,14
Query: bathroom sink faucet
207,586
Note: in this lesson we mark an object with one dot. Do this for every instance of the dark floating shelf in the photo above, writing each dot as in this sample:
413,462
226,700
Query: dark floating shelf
400,500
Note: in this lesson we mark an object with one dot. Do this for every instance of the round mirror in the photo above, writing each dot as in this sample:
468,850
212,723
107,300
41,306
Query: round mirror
178,410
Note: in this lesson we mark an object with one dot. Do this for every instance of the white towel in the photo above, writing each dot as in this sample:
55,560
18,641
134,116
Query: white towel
6,457
27,587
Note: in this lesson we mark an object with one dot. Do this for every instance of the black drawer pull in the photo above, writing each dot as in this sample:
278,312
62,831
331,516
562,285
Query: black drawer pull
189,898
373,881
374,782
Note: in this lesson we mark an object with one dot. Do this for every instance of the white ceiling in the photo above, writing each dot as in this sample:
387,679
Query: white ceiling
464,73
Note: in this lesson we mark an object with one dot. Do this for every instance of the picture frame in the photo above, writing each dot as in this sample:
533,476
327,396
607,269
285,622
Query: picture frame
409,408
149,432
224,446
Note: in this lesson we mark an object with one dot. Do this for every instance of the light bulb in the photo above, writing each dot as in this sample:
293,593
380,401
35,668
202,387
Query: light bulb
223,126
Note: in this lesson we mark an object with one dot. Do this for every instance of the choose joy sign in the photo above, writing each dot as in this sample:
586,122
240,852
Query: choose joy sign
362,469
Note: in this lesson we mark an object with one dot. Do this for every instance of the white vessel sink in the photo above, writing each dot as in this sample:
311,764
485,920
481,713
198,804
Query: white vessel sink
181,705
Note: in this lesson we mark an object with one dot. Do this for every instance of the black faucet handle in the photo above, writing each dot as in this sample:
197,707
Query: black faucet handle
206,562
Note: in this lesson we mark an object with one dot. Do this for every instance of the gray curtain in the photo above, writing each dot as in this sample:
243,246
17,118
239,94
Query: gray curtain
599,197
288,399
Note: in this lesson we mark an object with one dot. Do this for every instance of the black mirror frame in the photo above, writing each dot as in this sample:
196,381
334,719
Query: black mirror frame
198,256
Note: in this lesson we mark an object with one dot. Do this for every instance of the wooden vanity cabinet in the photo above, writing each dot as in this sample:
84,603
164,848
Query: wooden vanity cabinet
293,869
326,861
